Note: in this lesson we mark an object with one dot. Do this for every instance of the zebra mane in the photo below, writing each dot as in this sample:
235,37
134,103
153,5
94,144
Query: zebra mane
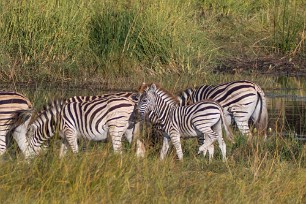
51,105
46,108
144,87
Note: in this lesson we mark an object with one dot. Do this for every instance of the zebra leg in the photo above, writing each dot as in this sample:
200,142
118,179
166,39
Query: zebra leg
211,138
116,135
176,141
137,130
165,146
243,126
19,135
64,148
132,131
129,134
2,145
3,132
241,115
201,140
218,130
70,136
210,149
140,150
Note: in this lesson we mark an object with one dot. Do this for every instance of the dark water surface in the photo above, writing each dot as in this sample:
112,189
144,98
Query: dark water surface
287,114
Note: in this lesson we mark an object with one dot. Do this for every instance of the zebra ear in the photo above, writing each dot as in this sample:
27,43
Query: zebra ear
135,96
153,87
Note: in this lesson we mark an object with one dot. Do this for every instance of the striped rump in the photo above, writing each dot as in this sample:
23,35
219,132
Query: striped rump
15,114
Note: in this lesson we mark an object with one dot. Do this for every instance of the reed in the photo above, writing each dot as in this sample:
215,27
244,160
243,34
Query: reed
47,41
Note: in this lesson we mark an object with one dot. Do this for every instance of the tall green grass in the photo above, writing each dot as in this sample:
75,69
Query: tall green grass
256,27
60,40
270,171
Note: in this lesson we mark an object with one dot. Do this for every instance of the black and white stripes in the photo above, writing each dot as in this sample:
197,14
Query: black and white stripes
93,120
241,100
196,120
15,113
48,119
199,112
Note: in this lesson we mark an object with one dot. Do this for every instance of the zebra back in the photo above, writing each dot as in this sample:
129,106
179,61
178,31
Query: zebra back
11,102
130,95
221,93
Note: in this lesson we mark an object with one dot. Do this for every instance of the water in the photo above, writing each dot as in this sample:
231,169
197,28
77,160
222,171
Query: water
286,106
287,114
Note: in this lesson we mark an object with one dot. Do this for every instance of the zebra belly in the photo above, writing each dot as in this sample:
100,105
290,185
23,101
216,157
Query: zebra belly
96,136
189,134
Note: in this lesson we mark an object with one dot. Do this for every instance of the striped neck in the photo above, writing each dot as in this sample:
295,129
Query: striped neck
164,106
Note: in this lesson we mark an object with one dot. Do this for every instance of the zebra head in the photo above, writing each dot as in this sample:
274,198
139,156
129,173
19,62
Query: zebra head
36,136
43,127
147,100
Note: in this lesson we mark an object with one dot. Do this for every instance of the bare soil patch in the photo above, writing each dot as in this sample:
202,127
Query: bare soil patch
274,65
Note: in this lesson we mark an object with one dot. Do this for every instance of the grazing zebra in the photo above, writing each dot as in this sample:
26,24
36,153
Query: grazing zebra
45,124
15,114
241,101
196,120
93,120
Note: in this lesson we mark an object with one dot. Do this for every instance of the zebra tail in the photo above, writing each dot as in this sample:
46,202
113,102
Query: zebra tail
19,118
228,130
261,120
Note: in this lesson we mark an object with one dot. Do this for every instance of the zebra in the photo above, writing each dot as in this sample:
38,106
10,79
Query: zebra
15,114
241,101
93,120
153,118
204,117
46,123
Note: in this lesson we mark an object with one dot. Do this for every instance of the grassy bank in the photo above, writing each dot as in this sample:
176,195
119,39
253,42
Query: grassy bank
259,171
87,40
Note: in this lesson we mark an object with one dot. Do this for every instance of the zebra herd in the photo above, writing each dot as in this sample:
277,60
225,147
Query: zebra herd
200,112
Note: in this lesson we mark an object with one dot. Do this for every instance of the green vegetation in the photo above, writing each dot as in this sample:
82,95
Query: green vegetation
271,171
76,40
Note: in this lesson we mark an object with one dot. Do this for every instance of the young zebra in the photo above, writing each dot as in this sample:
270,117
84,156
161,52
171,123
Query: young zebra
157,126
15,114
196,120
241,101
46,122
